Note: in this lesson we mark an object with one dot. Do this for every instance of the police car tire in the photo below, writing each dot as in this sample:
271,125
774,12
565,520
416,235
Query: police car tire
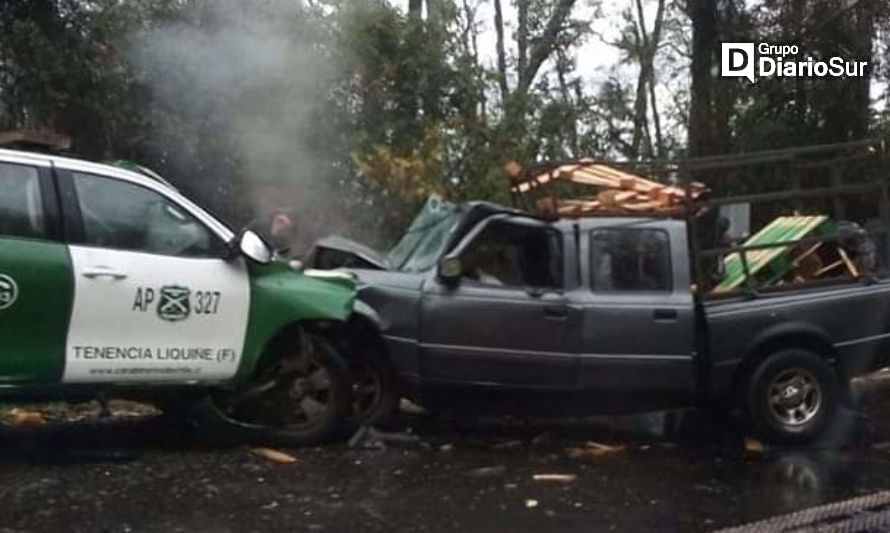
316,433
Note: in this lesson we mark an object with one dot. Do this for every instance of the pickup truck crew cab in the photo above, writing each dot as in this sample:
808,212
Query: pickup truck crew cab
113,283
600,312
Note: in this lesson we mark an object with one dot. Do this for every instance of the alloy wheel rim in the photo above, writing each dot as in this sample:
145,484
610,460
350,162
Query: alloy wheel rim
794,397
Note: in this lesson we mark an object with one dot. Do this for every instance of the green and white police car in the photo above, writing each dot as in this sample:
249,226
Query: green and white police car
113,284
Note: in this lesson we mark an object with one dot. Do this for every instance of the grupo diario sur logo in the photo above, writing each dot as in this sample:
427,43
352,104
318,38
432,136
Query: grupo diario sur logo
739,60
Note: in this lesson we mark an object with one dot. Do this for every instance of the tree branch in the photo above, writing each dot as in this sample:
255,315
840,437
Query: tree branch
545,45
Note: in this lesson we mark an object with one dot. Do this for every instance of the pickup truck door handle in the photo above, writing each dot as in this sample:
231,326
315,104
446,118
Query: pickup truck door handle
664,314
556,312
102,272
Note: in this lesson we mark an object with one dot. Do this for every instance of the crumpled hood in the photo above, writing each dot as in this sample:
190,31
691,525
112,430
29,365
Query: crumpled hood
366,253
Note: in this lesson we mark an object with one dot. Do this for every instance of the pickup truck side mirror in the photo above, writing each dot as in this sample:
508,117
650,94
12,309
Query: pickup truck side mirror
450,269
254,248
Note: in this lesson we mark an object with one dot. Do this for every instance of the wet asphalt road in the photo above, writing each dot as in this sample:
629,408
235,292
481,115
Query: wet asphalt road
679,472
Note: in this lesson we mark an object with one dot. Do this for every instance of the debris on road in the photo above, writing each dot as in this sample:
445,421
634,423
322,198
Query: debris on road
507,445
754,447
555,478
365,439
26,418
543,438
594,450
371,438
36,414
531,504
487,471
411,408
275,456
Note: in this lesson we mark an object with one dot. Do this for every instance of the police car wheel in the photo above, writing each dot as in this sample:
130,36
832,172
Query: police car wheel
298,399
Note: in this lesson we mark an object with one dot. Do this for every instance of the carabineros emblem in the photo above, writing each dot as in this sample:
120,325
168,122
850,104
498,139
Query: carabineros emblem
173,304
9,291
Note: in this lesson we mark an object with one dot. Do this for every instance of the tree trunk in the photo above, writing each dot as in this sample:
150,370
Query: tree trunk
646,47
415,9
433,15
502,54
864,23
702,113
545,44
654,43
521,38
640,101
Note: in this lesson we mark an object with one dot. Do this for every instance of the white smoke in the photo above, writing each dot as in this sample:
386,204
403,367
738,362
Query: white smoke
261,69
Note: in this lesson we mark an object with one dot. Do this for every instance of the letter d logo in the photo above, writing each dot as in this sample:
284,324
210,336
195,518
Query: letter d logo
737,60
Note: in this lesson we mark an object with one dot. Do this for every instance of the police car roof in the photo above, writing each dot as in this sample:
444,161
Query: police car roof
115,172
70,163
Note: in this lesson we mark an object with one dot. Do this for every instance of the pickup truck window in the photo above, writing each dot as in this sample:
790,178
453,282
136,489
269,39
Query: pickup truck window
630,259
124,216
21,207
515,255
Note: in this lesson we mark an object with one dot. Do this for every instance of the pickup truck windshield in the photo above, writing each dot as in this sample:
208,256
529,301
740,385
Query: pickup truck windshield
427,236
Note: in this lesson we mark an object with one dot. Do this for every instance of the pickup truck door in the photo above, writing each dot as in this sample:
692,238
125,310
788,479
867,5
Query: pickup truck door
155,298
639,316
35,275
506,322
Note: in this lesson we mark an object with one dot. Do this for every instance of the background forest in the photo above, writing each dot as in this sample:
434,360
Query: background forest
351,112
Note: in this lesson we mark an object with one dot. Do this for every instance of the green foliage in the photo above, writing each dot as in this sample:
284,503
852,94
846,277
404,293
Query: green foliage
366,109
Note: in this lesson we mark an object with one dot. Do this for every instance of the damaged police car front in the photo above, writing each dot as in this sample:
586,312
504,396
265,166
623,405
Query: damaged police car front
112,283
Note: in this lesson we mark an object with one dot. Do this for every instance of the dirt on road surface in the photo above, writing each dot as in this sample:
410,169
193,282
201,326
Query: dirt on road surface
665,472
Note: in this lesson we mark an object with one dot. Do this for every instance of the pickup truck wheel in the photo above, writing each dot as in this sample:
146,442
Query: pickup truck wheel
792,397
299,399
374,390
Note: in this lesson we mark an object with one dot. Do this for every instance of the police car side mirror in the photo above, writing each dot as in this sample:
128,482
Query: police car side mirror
450,269
255,248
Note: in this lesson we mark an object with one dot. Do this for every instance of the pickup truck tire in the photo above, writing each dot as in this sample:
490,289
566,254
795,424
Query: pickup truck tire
299,399
375,394
792,397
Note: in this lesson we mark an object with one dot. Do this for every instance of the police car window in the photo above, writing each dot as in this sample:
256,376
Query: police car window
21,206
124,216
630,259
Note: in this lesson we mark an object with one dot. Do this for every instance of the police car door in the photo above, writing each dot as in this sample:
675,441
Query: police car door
155,297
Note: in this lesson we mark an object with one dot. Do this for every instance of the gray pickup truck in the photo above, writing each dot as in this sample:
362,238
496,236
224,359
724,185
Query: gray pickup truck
601,313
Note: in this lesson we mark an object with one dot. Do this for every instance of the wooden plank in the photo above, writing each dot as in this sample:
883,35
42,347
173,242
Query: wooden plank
829,267
785,228
586,176
642,194
811,250
851,266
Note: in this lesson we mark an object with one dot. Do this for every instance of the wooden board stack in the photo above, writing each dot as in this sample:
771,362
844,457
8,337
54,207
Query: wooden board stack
612,191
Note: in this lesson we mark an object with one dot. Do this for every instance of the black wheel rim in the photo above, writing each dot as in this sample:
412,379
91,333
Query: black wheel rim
294,393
